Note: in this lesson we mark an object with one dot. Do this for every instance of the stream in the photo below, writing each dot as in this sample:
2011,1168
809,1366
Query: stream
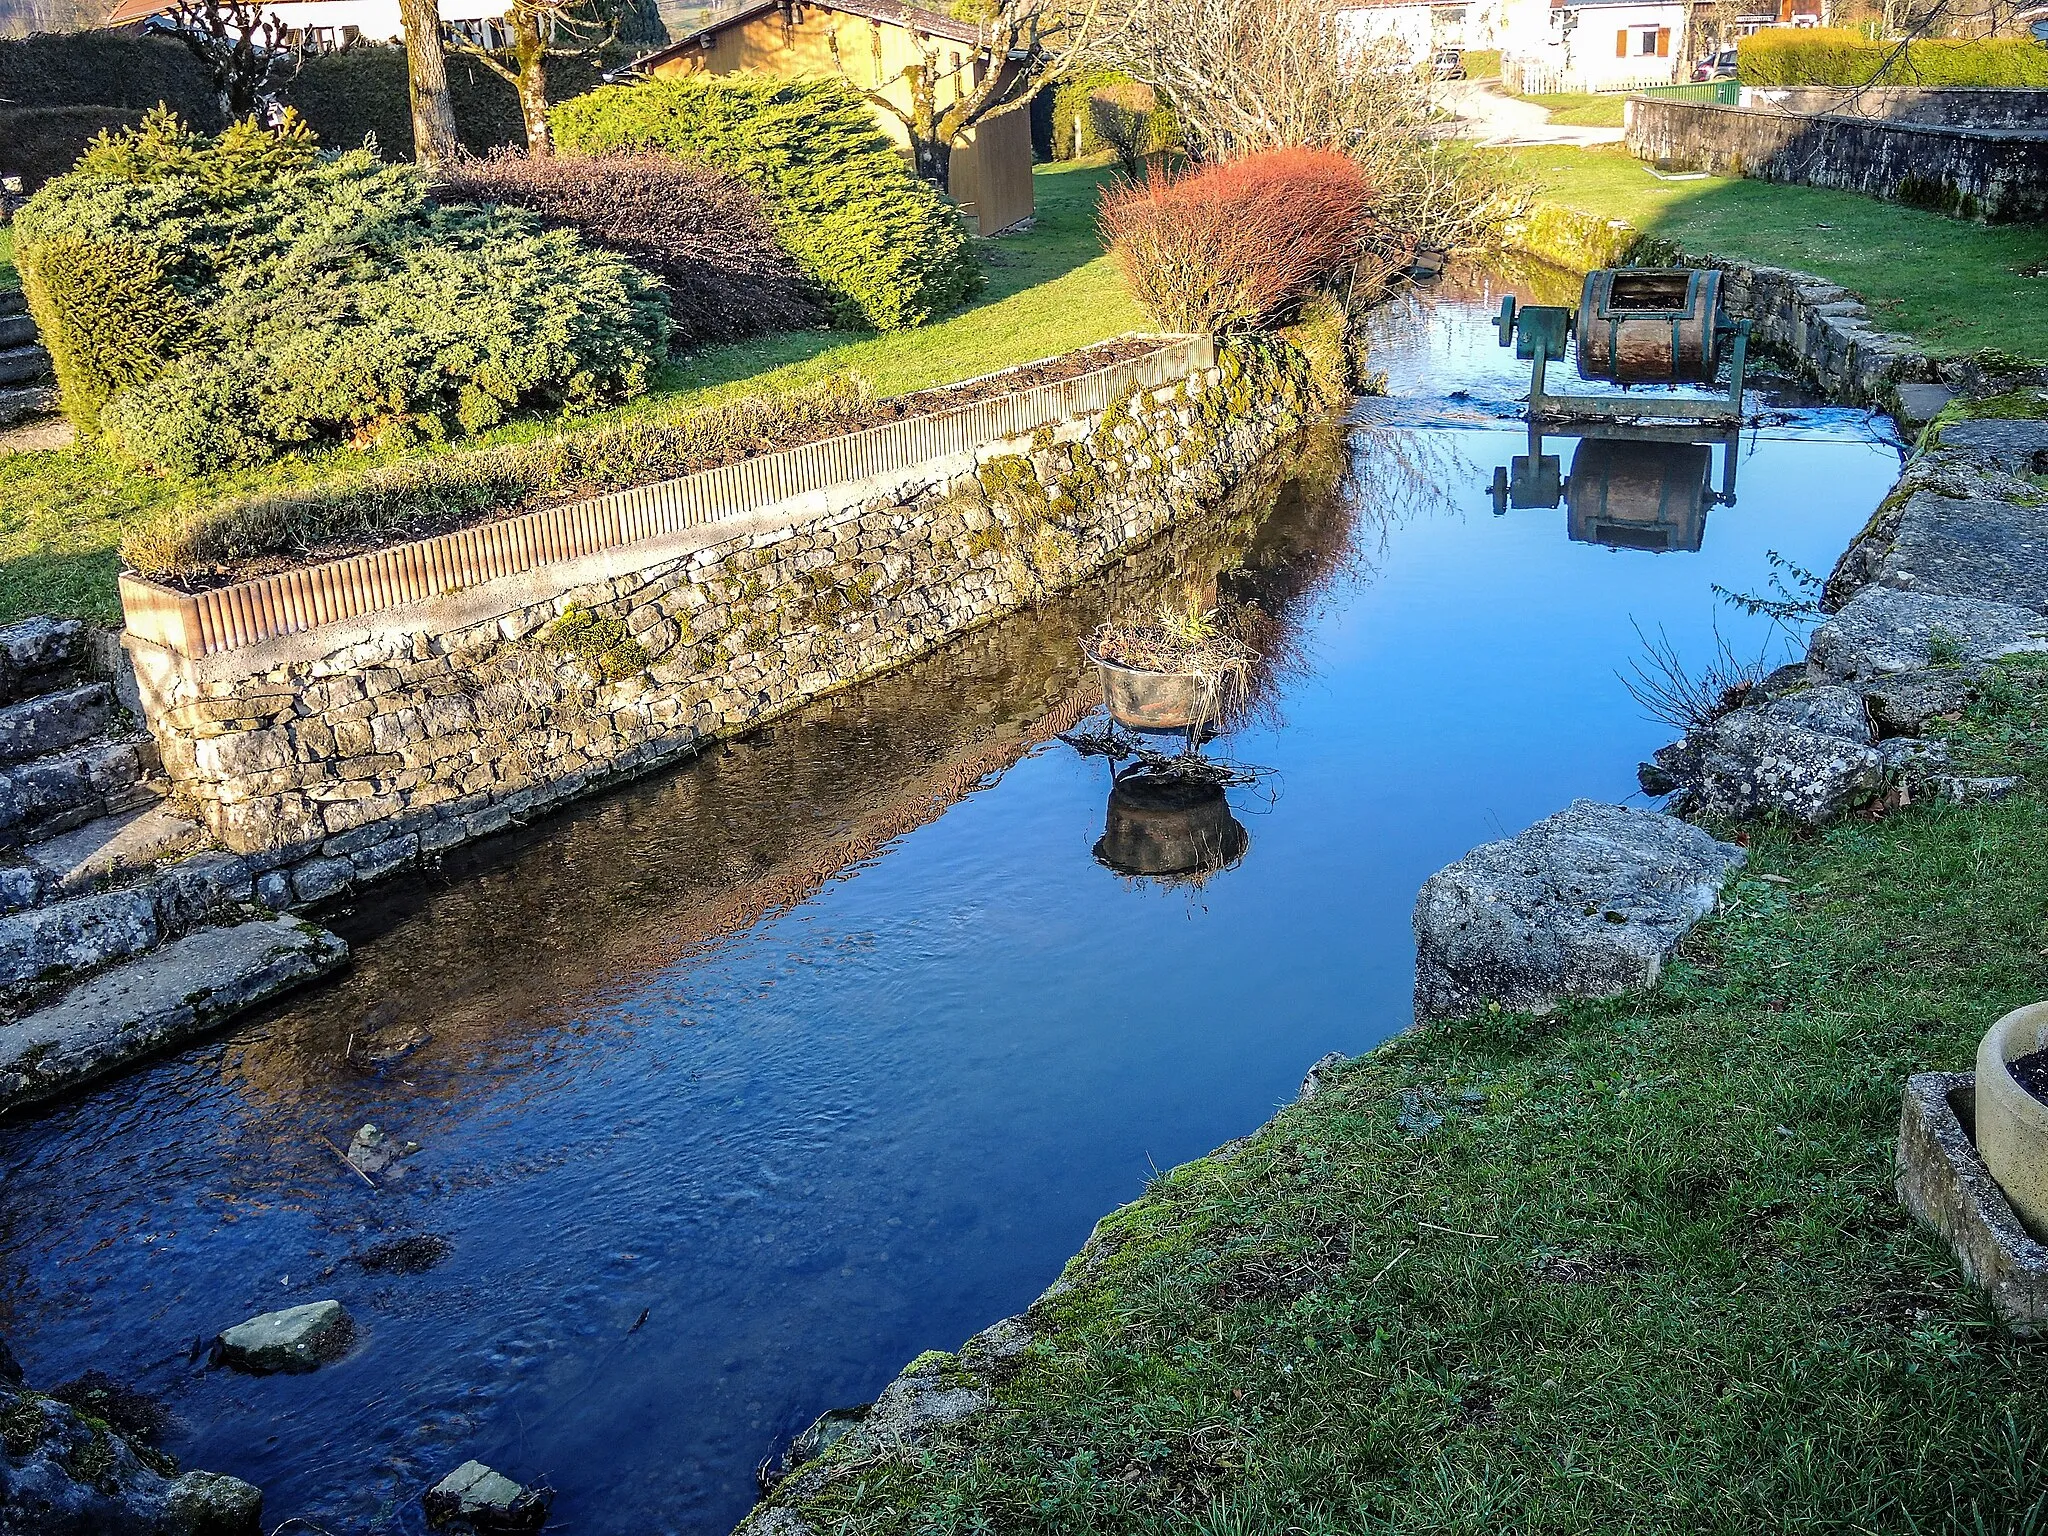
741,1085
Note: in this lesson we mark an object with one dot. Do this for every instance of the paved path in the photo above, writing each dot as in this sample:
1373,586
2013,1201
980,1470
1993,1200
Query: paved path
1489,116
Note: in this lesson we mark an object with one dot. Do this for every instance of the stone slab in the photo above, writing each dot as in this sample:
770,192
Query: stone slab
1943,1181
293,1339
158,1000
50,722
473,1497
1994,550
113,847
1921,403
2015,447
1586,903
1883,630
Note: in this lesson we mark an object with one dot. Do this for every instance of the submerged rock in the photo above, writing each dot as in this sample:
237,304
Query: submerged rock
474,1498
295,1339
371,1151
1586,903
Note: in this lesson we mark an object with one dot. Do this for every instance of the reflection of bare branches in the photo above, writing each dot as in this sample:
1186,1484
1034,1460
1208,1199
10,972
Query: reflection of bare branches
1405,475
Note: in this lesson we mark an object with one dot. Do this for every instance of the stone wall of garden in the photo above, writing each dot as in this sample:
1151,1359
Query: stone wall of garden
342,754
1996,174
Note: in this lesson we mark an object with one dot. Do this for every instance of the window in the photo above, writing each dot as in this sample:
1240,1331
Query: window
1643,43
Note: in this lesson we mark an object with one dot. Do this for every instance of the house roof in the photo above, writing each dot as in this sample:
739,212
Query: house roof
886,12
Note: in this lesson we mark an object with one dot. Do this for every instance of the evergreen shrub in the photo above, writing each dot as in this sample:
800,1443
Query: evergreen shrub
1843,56
212,301
888,250
705,235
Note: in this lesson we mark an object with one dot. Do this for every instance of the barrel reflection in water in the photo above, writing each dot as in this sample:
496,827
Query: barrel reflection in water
1629,487
1170,829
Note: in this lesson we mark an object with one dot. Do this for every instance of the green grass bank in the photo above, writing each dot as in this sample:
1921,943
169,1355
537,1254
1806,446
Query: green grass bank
1632,1267
1050,290
1954,286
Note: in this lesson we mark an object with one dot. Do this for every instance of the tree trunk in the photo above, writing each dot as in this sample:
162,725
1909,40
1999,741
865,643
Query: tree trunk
934,161
530,50
434,144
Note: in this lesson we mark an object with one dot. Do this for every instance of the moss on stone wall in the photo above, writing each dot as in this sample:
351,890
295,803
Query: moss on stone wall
599,641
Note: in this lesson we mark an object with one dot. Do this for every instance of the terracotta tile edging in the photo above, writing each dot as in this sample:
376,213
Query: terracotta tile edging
195,625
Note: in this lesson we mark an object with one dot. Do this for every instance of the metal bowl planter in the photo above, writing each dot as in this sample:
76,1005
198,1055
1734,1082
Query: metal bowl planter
2012,1125
1141,700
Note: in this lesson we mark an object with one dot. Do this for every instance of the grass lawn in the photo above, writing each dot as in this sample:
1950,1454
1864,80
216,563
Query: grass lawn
1482,63
1582,109
1050,290
1954,286
1633,1267
9,278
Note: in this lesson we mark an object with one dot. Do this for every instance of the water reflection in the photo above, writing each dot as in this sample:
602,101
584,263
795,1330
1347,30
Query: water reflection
1169,829
1647,488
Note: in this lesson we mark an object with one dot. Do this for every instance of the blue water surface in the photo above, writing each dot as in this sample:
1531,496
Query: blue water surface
739,1087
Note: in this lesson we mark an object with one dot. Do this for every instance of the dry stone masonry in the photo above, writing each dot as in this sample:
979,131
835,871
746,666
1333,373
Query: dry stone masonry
327,759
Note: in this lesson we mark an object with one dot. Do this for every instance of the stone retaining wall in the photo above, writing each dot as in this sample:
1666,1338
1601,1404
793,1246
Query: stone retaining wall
340,754
1997,174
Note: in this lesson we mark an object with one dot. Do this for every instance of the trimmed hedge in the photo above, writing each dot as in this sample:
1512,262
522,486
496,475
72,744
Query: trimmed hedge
1073,109
1843,56
58,91
704,234
210,302
887,249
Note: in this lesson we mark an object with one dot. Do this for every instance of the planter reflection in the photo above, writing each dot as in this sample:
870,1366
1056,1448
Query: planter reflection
1630,487
1171,829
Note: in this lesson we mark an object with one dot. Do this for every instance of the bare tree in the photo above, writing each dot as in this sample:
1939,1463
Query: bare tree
1249,75
538,29
243,49
971,75
434,142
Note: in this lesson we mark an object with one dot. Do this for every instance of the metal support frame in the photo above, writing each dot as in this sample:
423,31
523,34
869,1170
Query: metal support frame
1539,334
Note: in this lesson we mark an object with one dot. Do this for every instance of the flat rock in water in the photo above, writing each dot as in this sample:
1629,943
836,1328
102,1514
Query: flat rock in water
474,1498
1992,550
1883,630
1587,903
296,1339
156,1000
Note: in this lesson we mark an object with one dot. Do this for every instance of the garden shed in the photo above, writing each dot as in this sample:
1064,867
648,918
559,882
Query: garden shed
878,41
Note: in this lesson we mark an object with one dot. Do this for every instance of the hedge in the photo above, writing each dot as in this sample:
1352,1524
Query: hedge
1843,56
887,249
210,302
58,91
702,233
1071,110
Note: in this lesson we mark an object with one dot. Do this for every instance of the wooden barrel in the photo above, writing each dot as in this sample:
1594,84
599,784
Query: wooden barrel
1639,495
1650,325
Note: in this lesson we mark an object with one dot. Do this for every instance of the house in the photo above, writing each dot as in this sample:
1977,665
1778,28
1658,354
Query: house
1413,30
321,26
877,40
1593,45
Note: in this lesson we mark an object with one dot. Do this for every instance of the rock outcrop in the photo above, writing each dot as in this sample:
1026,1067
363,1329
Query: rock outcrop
64,1473
1589,902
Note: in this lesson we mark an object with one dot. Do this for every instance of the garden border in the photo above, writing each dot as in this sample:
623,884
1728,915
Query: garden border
247,613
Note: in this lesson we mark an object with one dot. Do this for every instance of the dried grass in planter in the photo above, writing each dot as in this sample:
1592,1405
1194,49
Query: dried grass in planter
703,233
1183,639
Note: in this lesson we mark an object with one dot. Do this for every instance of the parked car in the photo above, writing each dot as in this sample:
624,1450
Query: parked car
1718,65
1449,64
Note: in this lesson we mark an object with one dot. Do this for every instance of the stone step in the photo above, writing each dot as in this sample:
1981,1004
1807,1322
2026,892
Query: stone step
179,992
24,365
51,722
51,937
47,796
13,302
41,655
19,403
16,330
113,849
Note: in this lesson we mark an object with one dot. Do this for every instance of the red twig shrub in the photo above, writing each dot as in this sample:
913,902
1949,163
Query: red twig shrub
702,233
1238,244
